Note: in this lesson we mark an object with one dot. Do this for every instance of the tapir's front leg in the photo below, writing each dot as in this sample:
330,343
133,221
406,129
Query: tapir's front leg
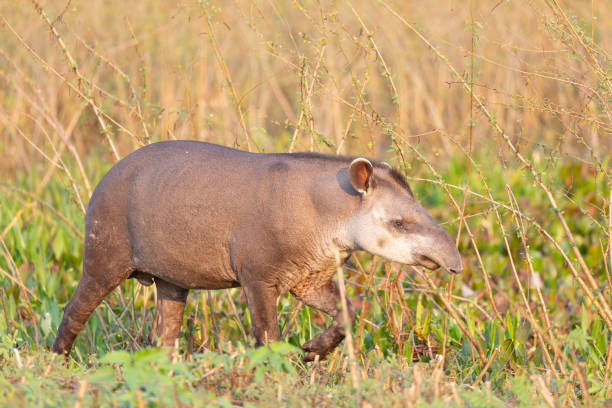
168,313
327,299
262,301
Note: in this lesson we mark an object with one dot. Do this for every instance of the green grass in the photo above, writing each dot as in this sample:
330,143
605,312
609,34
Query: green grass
150,377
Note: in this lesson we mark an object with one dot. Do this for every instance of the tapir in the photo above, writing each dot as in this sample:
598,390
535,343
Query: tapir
192,215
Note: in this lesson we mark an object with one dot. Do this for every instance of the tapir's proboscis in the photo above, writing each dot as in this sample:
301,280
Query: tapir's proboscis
192,215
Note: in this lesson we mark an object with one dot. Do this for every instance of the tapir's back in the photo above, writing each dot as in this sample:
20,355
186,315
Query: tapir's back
189,205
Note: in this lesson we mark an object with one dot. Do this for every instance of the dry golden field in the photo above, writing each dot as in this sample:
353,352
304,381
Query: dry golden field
499,113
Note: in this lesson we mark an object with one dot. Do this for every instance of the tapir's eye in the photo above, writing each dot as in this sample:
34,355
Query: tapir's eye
399,225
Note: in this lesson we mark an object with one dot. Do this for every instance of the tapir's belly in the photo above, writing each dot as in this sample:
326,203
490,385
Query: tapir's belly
184,263
186,270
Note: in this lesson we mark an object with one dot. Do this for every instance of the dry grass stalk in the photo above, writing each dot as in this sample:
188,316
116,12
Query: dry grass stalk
486,367
348,323
205,13
81,393
608,370
306,100
453,312
82,81
237,316
544,391
467,228
592,60
25,292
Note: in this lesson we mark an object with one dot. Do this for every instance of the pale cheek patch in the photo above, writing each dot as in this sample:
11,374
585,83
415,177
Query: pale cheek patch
373,235
379,241
398,251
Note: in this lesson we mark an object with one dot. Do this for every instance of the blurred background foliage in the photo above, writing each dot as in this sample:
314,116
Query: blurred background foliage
498,112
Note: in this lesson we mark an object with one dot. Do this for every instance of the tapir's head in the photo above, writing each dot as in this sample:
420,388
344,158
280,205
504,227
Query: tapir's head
392,224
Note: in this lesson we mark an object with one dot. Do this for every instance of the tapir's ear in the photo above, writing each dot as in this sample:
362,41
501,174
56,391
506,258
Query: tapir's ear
360,173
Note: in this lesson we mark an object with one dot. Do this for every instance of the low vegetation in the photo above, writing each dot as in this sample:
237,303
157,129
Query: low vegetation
498,113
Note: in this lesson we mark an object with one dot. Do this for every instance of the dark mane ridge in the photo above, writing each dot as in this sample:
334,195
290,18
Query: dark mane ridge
401,180
394,173
322,156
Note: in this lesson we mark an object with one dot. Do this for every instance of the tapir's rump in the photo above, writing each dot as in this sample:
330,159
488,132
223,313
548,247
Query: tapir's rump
193,215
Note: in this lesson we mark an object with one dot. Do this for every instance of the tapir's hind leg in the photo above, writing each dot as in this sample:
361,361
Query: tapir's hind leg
89,294
106,264
325,298
168,313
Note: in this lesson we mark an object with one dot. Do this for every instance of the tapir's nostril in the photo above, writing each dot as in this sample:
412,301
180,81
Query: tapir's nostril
456,269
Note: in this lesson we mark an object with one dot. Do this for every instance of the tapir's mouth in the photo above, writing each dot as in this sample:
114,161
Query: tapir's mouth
427,262
430,264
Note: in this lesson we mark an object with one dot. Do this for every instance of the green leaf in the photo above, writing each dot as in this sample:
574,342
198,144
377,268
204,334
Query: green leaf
510,326
102,375
45,325
258,357
506,349
470,321
522,332
59,244
577,339
283,348
584,320
426,324
276,361
419,313
327,141
259,374
151,355
136,377
492,334
117,357
599,336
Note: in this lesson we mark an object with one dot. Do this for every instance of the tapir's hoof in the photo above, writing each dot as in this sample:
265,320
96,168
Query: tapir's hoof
312,356
59,348
322,344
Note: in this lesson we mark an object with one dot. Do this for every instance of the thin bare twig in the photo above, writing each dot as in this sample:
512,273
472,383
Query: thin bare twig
82,81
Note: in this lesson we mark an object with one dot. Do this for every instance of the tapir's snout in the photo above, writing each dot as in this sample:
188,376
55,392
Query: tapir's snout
440,251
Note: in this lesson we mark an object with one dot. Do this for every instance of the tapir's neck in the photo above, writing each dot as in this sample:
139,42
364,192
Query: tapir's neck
337,203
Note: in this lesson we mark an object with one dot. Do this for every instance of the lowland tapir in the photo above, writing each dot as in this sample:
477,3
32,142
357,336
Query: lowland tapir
192,215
